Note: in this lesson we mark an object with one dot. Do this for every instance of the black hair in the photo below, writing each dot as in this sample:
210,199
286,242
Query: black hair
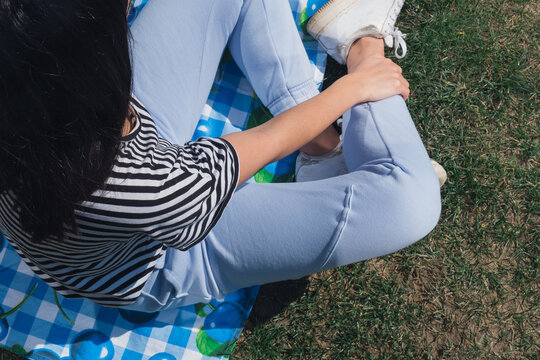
65,87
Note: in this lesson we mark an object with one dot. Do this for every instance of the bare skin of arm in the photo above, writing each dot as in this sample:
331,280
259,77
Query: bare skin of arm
371,77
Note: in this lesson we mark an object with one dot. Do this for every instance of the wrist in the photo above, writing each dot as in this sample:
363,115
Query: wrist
353,89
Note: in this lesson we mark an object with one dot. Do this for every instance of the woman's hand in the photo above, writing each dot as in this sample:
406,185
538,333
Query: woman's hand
371,77
295,127
376,78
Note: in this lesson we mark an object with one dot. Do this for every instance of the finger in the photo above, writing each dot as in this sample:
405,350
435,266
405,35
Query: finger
404,92
404,96
393,65
405,82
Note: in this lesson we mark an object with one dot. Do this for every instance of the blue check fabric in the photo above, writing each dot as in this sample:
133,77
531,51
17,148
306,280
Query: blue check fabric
37,323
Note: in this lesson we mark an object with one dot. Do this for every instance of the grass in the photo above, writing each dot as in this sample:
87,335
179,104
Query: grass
469,290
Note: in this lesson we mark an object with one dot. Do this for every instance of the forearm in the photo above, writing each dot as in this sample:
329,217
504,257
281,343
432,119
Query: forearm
292,129
371,77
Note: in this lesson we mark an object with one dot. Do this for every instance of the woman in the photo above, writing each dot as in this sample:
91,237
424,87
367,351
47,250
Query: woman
99,201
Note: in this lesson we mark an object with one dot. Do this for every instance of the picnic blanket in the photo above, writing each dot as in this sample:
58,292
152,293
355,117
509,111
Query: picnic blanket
38,323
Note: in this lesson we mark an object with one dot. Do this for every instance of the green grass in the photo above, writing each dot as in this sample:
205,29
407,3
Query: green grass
469,290
5,355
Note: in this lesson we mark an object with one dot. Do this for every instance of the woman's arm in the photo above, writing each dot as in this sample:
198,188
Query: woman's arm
376,78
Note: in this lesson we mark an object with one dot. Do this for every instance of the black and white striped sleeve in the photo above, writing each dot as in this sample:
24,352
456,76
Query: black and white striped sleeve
207,171
174,194
158,195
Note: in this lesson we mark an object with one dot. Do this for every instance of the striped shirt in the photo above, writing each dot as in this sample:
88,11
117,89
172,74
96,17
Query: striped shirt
159,195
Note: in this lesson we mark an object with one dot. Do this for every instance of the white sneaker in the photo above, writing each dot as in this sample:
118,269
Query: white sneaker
439,170
310,168
339,23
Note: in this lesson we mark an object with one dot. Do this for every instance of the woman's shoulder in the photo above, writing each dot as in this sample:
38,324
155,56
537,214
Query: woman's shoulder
143,128
143,152
137,104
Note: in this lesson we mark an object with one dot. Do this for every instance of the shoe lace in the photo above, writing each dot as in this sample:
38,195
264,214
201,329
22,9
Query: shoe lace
399,37
399,41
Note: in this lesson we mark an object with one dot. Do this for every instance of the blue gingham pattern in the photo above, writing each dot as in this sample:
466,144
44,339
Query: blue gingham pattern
77,329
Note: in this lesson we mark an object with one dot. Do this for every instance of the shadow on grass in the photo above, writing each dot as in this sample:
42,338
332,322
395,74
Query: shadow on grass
273,299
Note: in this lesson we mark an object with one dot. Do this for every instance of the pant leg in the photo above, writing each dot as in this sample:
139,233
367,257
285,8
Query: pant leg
267,47
177,46
389,200
176,49
172,38
274,232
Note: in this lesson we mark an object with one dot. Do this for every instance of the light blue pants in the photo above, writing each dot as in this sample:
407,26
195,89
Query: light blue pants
273,232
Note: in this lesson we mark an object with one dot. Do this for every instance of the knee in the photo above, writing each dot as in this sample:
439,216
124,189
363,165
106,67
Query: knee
420,201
